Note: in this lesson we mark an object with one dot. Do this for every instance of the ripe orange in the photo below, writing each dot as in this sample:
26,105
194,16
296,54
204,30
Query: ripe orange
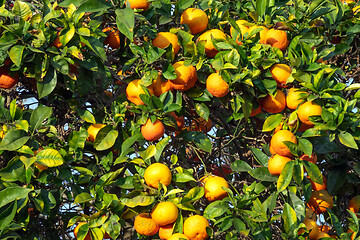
317,186
277,38
76,230
138,4
133,91
93,131
157,172
293,98
145,225
273,104
243,29
196,19
325,228
322,235
309,213
159,86
312,227
166,231
201,124
164,213
180,121
216,85
56,43
207,36
280,72
153,131
307,110
213,188
6,80
178,236
278,139
312,159
186,76
256,111
271,150
277,163
113,37
320,200
195,227
354,204
352,235
163,39
262,32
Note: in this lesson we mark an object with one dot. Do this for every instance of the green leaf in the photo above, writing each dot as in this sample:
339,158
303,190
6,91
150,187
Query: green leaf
261,6
105,138
86,116
67,34
183,177
48,84
77,139
202,110
93,6
139,200
289,217
353,29
16,54
305,146
7,216
285,176
39,115
200,139
83,197
260,157
336,179
13,109
22,9
194,194
27,161
262,174
160,146
347,140
184,4
14,139
49,157
313,172
125,21
148,153
154,54
11,194
272,122
95,45
240,166
240,226
216,209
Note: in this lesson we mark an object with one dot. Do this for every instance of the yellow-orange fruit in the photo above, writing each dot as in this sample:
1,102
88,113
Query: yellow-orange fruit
317,186
277,38
213,188
180,121
293,99
138,4
207,36
133,91
145,225
277,163
320,200
309,213
243,29
216,85
196,19
308,109
153,131
93,131
262,32
165,213
280,72
113,37
6,80
166,231
354,204
159,87
195,227
157,173
278,145
322,235
273,104
186,76
178,236
163,39
312,227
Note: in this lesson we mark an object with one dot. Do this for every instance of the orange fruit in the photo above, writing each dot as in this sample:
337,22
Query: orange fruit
216,85
157,173
273,104
312,227
6,80
309,213
243,29
356,9
186,76
280,72
133,91
324,228
178,236
277,38
195,18
213,188
145,225
317,186
180,121
56,43
166,231
201,124
207,36
159,86
256,111
322,235
320,200
76,230
153,131
262,32
277,163
278,139
354,204
138,4
93,131
279,127
40,166
163,39
195,227
353,236
312,159
165,213
271,150
307,110
113,37
293,98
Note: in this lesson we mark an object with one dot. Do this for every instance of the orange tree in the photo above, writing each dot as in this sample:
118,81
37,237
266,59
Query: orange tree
95,92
